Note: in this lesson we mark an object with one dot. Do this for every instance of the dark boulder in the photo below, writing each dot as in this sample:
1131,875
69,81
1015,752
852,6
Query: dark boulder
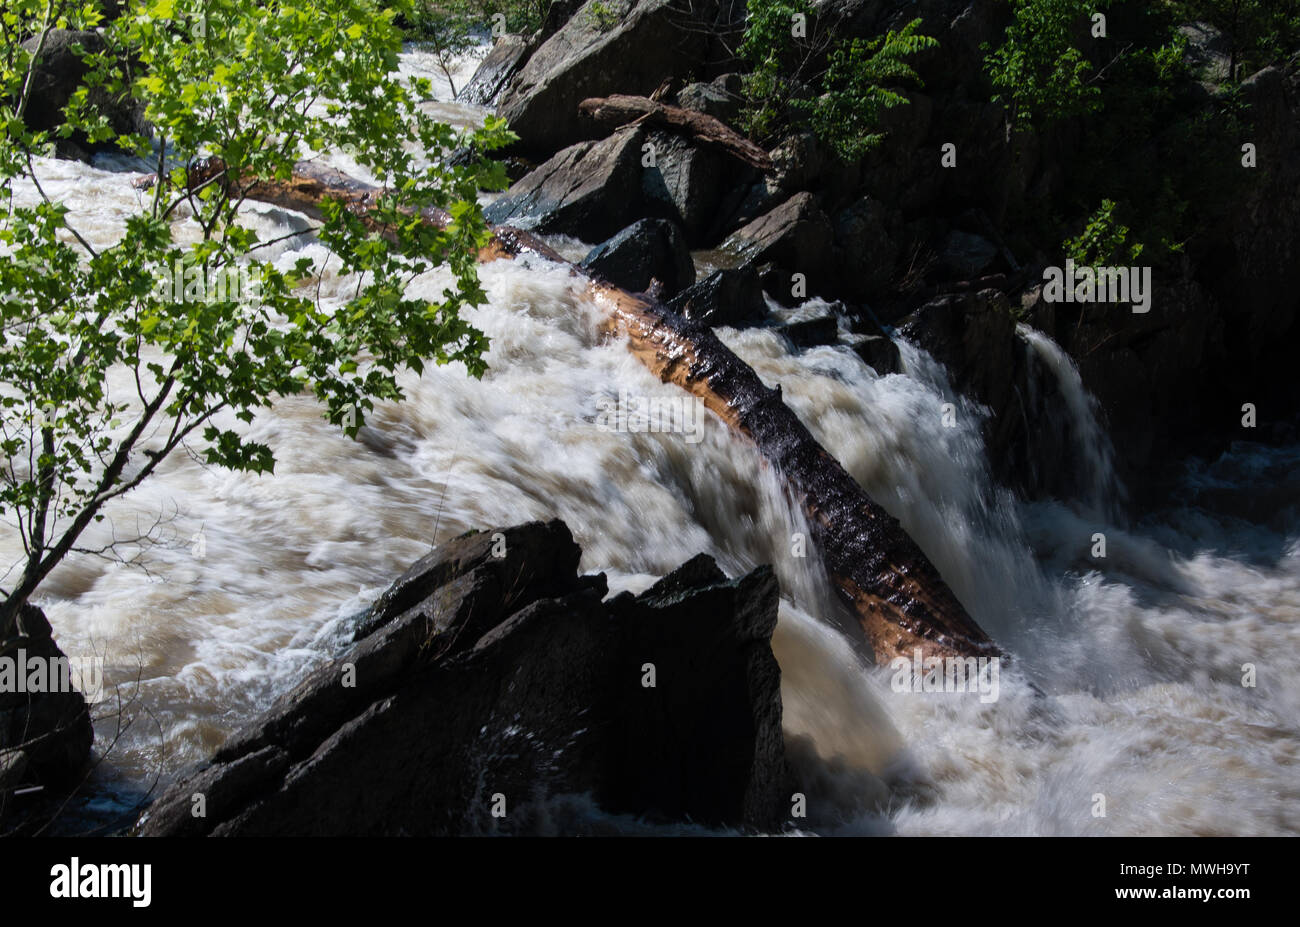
731,296
692,185
811,332
492,681
590,190
965,255
58,74
880,353
865,234
796,236
591,57
649,249
45,736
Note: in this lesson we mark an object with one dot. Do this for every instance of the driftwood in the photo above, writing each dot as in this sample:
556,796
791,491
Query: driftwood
620,110
894,590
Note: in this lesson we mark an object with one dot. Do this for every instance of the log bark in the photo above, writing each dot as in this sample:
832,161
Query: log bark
619,110
897,594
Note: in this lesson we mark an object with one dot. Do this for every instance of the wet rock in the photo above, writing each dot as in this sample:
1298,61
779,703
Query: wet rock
796,235
725,297
508,54
590,190
588,57
809,333
46,735
650,249
880,353
492,679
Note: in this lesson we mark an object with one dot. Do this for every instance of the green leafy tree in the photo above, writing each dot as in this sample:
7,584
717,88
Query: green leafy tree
105,370
1040,71
800,70
857,88
1258,32
448,29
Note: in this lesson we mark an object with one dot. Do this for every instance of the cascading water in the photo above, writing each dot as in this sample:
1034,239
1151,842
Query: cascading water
1099,488
1135,658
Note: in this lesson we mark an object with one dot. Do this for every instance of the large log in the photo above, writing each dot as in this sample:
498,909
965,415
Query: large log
620,109
899,598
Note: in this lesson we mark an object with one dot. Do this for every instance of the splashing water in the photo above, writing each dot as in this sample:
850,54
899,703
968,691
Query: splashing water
1138,655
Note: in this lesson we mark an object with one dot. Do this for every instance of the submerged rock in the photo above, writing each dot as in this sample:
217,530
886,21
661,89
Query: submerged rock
492,679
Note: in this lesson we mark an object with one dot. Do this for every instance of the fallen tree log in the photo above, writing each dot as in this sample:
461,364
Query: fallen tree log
897,594
619,110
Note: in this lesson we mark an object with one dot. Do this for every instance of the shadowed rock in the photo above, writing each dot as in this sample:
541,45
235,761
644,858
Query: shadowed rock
490,679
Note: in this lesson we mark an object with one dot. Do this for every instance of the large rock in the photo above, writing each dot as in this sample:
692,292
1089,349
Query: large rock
649,249
722,98
587,57
58,74
796,236
590,190
45,737
692,185
731,296
493,678
506,57
866,237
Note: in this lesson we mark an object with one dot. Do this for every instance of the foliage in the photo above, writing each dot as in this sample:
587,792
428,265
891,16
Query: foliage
840,87
1258,32
1104,240
856,89
103,371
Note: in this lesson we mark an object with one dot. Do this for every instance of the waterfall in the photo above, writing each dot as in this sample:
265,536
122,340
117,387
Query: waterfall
1135,658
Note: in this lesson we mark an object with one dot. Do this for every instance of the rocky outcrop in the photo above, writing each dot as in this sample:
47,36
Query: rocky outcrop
591,56
590,190
647,250
45,728
492,680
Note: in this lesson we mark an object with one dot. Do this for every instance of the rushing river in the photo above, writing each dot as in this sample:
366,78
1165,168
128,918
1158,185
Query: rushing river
1138,656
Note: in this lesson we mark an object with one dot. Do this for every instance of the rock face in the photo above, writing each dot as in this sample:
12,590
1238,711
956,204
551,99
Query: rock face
691,185
45,737
590,190
57,76
491,677
493,72
592,57
650,249
796,235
